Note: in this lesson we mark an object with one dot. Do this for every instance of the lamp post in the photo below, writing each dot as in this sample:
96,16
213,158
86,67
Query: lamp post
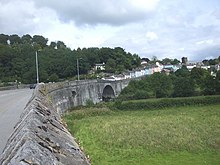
37,67
77,65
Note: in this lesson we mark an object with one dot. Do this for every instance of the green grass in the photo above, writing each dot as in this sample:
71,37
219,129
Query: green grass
183,135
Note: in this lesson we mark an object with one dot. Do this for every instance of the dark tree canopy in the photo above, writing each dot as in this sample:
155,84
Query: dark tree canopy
14,39
40,40
3,39
56,60
26,39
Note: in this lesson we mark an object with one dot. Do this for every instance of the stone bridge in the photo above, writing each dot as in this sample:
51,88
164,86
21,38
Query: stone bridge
69,94
40,137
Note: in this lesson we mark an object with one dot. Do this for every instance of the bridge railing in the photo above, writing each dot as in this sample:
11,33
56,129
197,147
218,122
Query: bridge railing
40,137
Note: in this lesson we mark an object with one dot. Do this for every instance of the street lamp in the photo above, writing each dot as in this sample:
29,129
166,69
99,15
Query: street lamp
37,66
77,65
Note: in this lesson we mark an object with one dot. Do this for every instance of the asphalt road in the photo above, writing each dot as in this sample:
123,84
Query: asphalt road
12,104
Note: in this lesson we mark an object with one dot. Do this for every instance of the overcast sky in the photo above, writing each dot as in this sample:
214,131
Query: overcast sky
161,28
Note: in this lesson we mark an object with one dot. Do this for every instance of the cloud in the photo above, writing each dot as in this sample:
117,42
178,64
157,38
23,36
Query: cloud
209,52
16,16
161,28
210,41
112,12
151,36
21,17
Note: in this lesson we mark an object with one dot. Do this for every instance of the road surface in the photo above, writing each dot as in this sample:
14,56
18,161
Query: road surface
12,104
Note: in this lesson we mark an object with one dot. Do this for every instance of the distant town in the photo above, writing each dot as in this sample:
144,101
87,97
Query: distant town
149,69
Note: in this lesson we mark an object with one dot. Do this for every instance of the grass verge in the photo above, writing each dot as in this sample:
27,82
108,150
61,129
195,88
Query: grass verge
181,135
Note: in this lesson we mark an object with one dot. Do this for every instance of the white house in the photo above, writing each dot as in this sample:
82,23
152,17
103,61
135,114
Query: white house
190,67
173,68
205,67
127,75
100,66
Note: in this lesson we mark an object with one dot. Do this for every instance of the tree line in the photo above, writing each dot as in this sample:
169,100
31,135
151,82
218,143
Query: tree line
56,60
182,83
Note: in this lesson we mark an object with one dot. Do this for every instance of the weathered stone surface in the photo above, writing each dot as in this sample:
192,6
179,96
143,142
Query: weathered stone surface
69,94
40,137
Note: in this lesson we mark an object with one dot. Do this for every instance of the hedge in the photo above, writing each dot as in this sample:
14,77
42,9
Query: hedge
149,104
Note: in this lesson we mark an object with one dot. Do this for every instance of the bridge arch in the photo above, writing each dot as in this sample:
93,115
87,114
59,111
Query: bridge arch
108,93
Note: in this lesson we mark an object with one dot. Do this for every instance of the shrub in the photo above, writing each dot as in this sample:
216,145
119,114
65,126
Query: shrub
166,103
89,103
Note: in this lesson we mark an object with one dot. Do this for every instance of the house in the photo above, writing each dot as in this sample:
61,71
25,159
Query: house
153,68
139,72
119,77
132,74
157,68
217,66
205,67
172,68
100,66
127,75
167,71
111,78
148,71
144,63
191,66
114,77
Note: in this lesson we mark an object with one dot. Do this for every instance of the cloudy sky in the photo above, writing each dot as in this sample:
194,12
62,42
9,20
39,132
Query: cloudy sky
161,28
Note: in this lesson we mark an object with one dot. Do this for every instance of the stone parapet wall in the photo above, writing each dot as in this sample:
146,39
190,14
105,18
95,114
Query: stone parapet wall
66,95
40,137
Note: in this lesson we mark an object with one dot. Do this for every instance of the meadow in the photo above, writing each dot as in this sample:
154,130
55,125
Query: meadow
170,136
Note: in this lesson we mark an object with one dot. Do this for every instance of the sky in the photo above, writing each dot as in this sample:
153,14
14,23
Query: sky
161,28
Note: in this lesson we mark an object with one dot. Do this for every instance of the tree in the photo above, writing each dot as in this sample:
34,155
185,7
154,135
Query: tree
26,39
14,39
7,55
53,45
120,68
218,82
205,62
182,72
29,77
166,61
136,90
154,59
161,85
183,87
53,78
110,66
136,61
213,61
4,39
175,62
60,44
198,75
105,54
17,60
92,55
210,85
40,40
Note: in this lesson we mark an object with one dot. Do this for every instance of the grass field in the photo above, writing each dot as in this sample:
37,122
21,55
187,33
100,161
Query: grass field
174,136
